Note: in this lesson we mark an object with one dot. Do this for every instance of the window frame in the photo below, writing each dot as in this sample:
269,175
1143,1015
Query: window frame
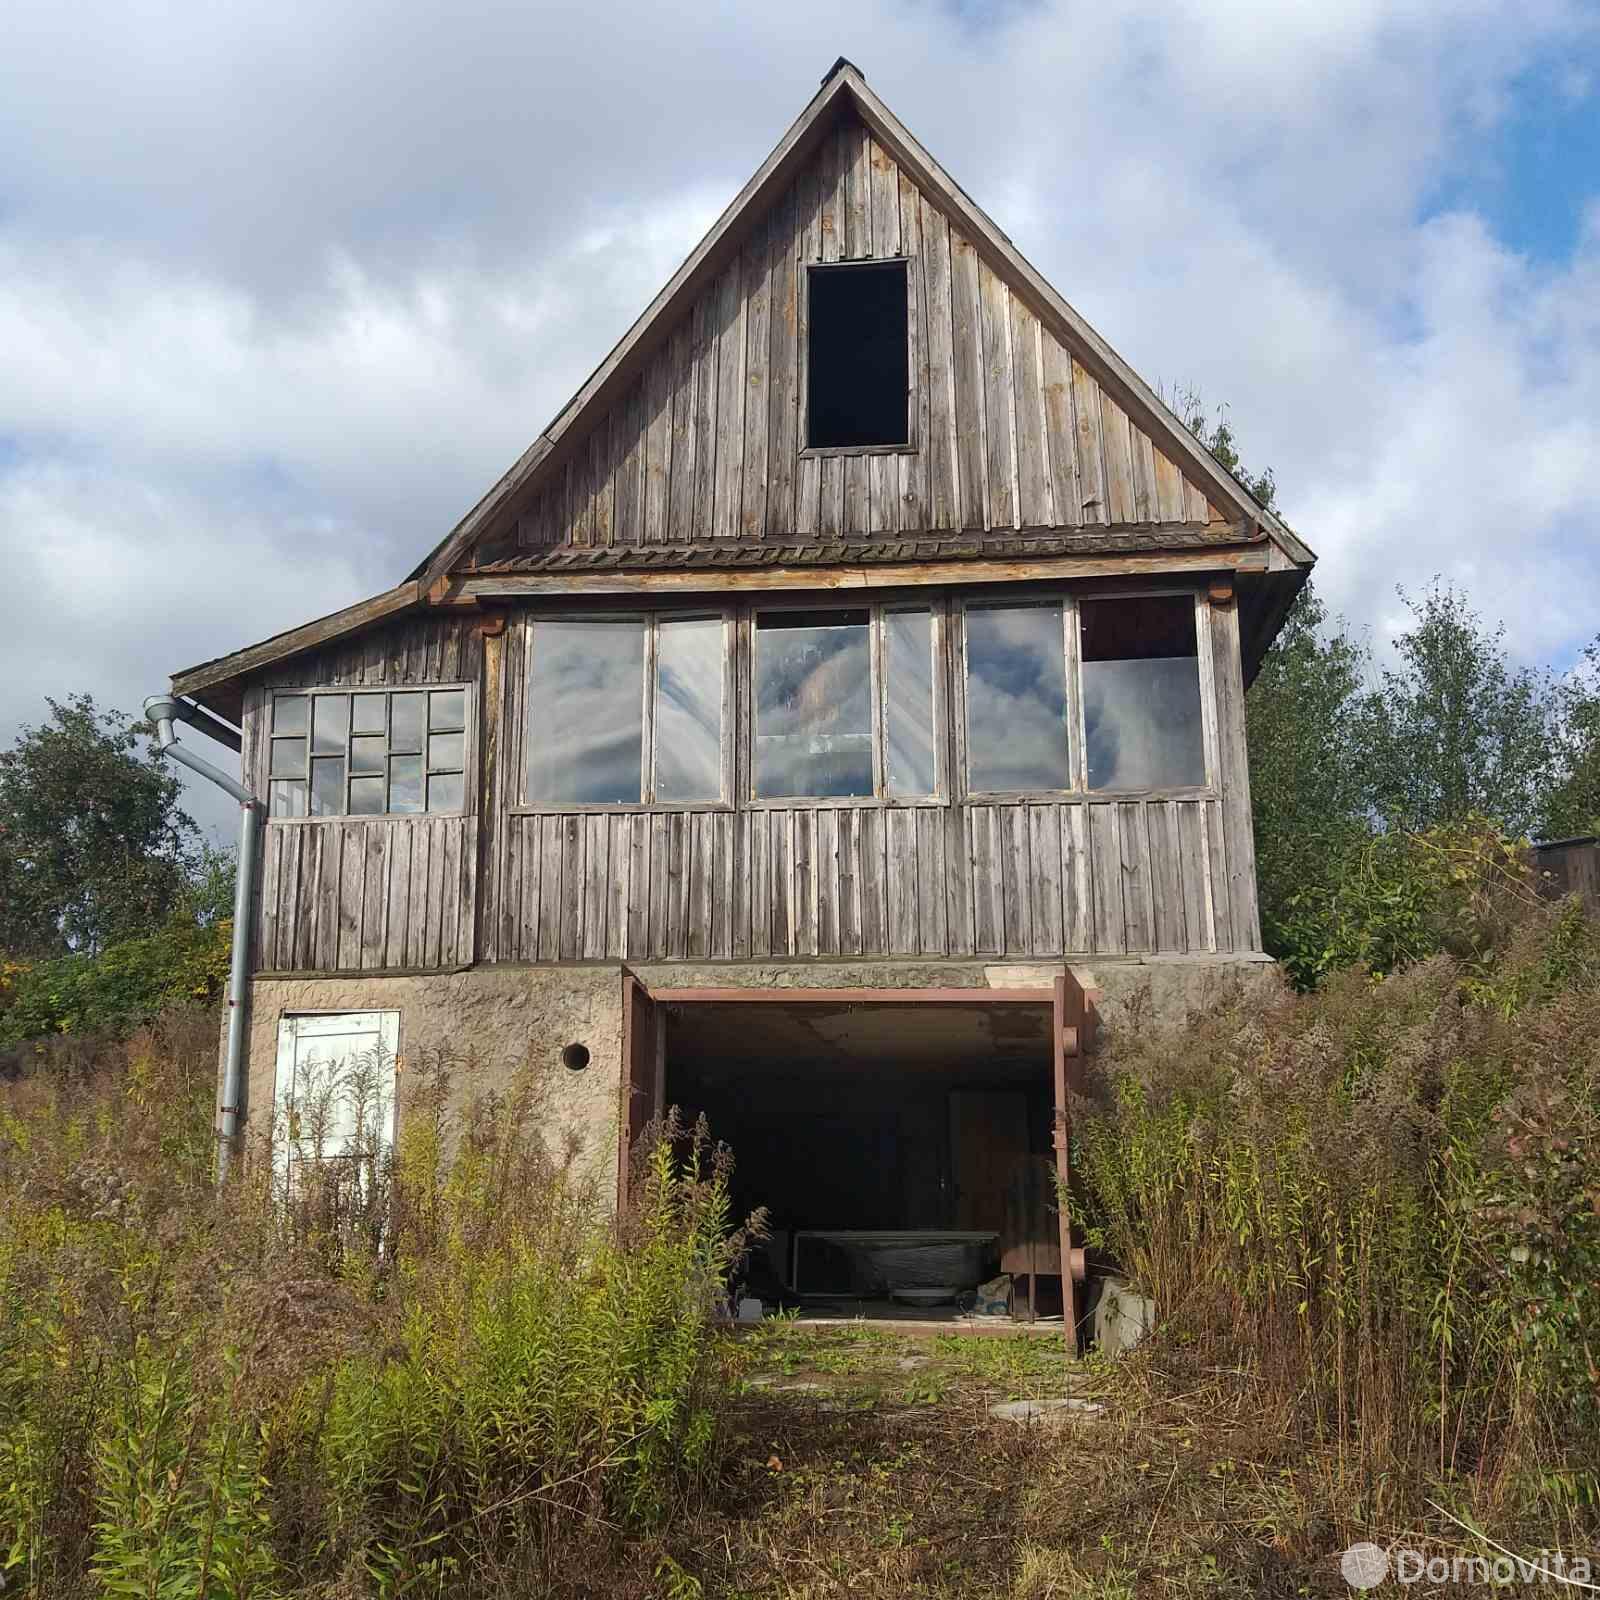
1069,600
652,620
469,749
937,609
913,444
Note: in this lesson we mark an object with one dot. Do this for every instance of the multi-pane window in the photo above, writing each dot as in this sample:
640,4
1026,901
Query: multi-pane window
368,753
626,712
1138,671
839,712
1141,693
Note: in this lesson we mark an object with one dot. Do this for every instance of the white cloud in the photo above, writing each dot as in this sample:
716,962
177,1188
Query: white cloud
282,291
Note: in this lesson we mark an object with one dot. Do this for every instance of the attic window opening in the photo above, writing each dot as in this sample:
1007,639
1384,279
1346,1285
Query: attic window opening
857,367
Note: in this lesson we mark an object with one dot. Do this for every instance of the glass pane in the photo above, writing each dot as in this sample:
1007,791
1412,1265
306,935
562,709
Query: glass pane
446,710
1141,694
586,713
444,791
908,645
286,799
689,711
327,787
368,713
289,713
406,714
405,783
813,695
445,750
330,724
367,753
288,758
366,797
1016,699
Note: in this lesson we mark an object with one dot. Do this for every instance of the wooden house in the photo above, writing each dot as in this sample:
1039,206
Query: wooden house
840,693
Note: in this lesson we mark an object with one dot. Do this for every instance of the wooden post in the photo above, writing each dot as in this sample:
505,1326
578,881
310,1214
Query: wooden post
1066,1037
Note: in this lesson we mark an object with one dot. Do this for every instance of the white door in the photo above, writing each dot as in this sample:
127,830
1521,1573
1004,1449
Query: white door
336,1089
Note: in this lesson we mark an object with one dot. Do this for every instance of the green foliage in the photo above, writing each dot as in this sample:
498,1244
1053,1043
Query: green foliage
444,1377
1380,1201
1572,805
1215,432
1458,730
125,984
1308,724
93,845
1390,898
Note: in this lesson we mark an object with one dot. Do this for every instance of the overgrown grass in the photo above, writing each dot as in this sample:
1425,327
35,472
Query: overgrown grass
1377,1207
445,1373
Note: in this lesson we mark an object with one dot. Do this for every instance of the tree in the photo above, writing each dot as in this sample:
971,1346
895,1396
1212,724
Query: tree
1309,725
1572,805
1459,731
93,845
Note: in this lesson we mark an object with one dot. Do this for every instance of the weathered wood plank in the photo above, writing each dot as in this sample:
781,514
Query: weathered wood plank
1061,440
704,451
658,441
1044,859
1105,860
1035,494
681,502
727,478
1135,874
999,394
967,356
940,442
1234,778
911,513
932,931
1016,871
756,261
1169,488
1117,443
783,385
1091,459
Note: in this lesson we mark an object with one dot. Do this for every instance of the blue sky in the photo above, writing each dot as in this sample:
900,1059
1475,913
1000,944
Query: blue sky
284,288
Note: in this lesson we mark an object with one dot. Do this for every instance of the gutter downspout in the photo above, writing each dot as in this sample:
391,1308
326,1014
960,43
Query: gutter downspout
163,710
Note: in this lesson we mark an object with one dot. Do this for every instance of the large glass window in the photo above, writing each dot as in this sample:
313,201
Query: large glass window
626,712
1141,693
813,698
368,753
1016,699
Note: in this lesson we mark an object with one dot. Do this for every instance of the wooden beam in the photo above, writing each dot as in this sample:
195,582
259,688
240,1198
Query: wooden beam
896,575
854,997
337,625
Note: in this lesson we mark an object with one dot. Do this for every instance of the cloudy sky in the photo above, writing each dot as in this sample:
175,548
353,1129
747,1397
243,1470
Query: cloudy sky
284,287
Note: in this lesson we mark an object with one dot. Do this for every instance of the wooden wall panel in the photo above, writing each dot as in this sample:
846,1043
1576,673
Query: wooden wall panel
1013,879
1008,430
351,895
1046,879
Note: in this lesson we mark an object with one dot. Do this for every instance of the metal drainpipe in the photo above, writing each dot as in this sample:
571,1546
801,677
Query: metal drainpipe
163,710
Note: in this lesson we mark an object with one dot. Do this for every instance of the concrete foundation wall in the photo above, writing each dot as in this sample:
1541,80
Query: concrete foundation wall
502,1016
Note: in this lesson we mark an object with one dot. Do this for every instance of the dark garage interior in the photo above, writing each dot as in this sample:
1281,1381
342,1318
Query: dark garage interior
853,1122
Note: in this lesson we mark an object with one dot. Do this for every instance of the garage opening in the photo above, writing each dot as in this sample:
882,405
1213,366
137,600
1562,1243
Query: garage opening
903,1146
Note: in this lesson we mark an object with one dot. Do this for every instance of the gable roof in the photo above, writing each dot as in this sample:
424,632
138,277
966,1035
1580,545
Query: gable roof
1207,516
844,93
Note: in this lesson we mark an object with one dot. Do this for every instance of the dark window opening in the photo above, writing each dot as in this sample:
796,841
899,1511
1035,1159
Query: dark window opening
857,374
1141,693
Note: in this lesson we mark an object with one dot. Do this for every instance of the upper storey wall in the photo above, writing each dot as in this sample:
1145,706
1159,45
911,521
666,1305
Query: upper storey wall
1008,430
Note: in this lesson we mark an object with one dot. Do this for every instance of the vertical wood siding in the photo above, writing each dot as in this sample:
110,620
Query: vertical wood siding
1009,431
1025,878
348,894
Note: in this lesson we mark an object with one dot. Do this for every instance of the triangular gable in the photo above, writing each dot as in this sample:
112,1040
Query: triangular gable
1025,417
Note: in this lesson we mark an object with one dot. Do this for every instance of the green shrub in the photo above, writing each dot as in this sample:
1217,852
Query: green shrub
447,1375
1394,897
183,963
1382,1200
